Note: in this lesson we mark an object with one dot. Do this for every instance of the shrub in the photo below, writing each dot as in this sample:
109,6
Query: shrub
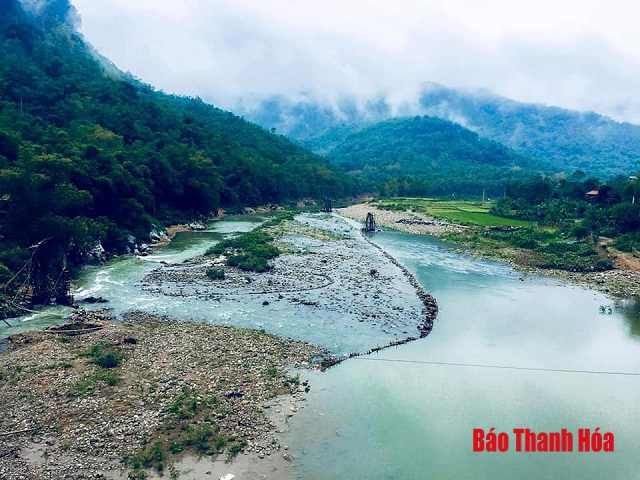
574,257
250,251
217,249
103,356
215,274
580,232
108,360
627,242
147,458
235,449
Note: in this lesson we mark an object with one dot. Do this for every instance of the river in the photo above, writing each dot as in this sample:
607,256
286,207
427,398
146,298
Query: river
381,417
394,415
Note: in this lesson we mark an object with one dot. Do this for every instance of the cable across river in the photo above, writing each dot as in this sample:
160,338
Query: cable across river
503,367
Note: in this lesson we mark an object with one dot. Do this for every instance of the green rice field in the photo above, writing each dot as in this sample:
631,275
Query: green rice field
455,211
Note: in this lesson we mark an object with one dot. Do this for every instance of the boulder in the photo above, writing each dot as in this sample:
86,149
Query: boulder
97,255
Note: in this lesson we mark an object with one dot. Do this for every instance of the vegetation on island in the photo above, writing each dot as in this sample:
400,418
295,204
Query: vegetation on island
250,251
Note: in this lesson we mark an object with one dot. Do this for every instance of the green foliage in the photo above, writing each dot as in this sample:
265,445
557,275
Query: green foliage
568,139
249,251
249,263
189,426
5,274
580,232
88,152
104,355
215,274
90,382
217,249
530,238
187,405
430,156
145,458
235,449
628,242
272,371
574,257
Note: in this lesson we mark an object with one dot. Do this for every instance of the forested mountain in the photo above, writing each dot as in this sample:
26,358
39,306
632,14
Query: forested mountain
88,153
431,156
571,140
568,139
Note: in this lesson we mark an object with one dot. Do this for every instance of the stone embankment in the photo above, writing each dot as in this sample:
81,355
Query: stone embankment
430,310
190,386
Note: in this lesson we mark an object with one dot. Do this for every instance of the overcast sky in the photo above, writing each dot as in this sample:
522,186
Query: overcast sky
579,54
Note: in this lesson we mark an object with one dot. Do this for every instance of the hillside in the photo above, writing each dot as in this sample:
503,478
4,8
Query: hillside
571,140
568,139
88,153
431,156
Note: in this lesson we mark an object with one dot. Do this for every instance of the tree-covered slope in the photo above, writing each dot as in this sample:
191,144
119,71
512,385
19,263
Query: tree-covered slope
83,147
571,140
433,155
88,153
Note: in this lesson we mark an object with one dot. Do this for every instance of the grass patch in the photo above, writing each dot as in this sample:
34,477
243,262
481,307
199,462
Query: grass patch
152,456
186,405
104,355
203,439
461,212
235,449
90,382
215,274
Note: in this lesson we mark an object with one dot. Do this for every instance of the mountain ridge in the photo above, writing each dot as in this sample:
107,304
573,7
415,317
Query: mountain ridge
569,139
435,156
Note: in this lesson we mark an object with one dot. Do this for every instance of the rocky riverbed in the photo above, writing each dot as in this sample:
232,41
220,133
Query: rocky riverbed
100,399
328,278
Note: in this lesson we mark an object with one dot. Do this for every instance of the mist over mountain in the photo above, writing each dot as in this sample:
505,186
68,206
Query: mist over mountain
566,139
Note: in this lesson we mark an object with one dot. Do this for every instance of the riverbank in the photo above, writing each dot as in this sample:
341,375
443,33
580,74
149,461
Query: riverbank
622,282
149,390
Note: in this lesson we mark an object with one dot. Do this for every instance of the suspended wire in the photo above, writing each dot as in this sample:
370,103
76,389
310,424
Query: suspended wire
503,367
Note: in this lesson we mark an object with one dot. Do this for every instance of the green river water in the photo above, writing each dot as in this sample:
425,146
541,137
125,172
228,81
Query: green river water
393,416
381,417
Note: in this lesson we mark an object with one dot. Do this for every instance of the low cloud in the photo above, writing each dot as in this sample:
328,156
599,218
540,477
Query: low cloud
579,55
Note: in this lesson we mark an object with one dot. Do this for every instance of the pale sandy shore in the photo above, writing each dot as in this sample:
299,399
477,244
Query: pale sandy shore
410,222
